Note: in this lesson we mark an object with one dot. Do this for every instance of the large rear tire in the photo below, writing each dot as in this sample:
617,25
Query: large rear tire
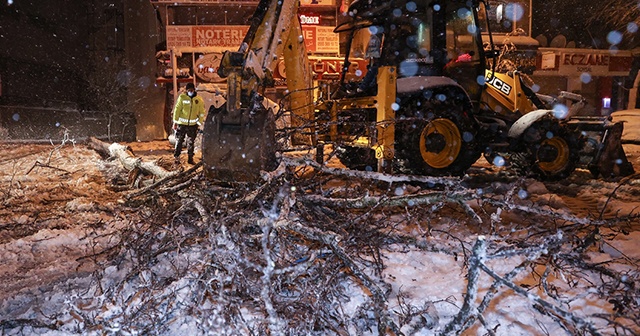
435,134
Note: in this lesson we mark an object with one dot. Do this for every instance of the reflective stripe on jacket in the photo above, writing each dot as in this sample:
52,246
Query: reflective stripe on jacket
188,111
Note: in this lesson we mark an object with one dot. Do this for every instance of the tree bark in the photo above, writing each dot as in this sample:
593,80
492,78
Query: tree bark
128,160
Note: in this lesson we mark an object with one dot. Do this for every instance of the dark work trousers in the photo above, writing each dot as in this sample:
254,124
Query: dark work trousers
190,131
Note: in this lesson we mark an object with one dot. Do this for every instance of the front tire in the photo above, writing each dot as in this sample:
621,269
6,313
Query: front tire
552,150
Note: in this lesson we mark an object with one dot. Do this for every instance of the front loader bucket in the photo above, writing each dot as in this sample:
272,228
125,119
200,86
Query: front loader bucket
610,159
239,151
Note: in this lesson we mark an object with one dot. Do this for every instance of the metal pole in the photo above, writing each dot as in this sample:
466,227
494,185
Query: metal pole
174,71
193,67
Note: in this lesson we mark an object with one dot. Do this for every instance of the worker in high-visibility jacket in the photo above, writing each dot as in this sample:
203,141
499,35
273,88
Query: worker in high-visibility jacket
188,115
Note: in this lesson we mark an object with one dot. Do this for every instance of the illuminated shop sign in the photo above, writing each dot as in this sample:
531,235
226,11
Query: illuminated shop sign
594,63
574,62
311,3
218,36
196,2
309,20
586,59
318,39
325,68
205,36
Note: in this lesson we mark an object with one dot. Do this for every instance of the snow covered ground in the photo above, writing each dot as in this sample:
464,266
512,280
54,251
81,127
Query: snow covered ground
67,268
631,120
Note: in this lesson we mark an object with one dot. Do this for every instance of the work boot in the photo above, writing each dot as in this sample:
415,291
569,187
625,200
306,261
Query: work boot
190,161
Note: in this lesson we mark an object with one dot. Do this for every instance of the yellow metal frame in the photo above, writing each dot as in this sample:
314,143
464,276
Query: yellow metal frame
382,142
349,104
386,115
498,99
299,83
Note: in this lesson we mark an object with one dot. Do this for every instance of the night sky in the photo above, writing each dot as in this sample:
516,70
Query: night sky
584,22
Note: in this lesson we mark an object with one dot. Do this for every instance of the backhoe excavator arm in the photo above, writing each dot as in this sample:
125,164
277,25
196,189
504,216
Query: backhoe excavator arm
238,139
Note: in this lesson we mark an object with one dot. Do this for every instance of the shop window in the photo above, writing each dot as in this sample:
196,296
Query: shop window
114,25
182,15
211,16
506,16
238,15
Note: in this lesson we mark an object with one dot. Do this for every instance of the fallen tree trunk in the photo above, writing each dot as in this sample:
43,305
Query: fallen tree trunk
128,160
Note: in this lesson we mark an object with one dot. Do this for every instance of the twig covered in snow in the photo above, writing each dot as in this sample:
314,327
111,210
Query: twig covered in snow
580,323
468,309
390,178
379,297
176,182
622,289
620,184
533,210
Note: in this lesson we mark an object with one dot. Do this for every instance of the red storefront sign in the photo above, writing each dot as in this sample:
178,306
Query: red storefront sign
322,68
326,68
205,36
218,36
320,39
574,62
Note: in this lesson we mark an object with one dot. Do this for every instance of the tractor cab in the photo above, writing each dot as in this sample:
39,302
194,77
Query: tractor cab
432,39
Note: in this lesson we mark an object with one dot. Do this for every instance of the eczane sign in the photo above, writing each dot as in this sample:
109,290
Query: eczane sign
587,62
575,62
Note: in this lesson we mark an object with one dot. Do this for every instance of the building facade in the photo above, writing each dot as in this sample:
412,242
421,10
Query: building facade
80,68
198,32
600,76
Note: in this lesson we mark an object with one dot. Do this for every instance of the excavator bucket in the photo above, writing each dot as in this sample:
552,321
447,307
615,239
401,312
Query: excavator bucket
612,161
239,137
238,151
604,139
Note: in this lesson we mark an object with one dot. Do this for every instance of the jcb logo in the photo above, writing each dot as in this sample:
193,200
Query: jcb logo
500,85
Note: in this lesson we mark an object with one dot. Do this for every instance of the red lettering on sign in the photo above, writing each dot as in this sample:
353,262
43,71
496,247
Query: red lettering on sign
586,59
309,35
218,36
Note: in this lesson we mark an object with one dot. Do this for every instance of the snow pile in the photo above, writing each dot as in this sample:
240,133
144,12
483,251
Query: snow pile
631,120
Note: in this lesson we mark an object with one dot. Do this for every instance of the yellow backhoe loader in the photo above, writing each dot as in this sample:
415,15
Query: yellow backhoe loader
425,104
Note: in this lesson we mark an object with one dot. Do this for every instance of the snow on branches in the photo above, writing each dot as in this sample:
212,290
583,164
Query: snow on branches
342,252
